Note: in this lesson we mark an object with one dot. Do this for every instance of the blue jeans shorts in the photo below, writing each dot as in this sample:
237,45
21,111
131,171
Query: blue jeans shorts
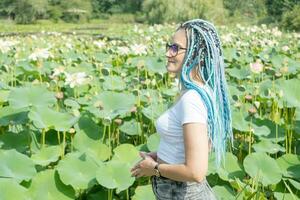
167,189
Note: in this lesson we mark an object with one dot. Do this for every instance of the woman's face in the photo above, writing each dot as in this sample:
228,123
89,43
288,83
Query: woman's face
174,63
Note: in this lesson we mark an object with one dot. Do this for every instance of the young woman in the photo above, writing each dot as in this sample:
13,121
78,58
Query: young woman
198,120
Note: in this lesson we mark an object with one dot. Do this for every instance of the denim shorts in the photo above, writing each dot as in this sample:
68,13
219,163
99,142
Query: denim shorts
167,189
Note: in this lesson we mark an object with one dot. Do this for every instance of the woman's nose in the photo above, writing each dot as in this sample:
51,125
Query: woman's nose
167,54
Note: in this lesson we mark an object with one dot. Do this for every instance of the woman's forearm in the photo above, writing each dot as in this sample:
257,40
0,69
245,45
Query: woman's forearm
177,172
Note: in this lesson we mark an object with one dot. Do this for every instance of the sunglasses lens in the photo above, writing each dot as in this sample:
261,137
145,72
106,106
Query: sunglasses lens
173,48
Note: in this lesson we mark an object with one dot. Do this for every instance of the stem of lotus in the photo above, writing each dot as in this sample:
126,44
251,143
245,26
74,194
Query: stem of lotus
64,144
109,133
58,137
103,136
127,194
43,137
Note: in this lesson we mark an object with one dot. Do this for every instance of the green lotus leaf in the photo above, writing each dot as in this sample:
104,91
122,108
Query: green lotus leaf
10,189
294,183
9,115
261,130
239,122
285,196
131,127
16,165
288,88
90,128
4,95
238,73
77,170
71,103
114,83
112,104
231,168
154,110
155,65
144,192
153,142
277,133
290,165
46,155
126,153
262,168
44,117
268,147
224,192
115,174
18,141
277,60
230,54
93,148
24,97
47,185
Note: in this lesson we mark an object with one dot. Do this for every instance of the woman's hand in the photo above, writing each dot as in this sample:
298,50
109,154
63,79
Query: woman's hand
144,167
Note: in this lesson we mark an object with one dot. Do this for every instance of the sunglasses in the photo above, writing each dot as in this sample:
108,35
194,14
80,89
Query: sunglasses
173,48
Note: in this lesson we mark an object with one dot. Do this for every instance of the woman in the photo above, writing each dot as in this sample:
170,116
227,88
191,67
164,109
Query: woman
200,118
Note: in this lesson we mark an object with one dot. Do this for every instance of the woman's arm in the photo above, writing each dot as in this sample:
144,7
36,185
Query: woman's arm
196,155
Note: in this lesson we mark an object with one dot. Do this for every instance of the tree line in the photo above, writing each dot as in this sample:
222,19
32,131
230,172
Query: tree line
281,12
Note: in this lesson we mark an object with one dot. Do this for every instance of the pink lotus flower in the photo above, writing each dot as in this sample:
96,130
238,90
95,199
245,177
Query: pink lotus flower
256,67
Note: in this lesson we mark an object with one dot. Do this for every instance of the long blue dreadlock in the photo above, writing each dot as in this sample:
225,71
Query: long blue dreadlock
204,50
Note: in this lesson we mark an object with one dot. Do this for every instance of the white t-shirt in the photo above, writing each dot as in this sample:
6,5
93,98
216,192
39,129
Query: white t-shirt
189,108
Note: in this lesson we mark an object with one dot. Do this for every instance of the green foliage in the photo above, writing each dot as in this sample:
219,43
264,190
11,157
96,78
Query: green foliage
159,11
76,10
291,20
28,11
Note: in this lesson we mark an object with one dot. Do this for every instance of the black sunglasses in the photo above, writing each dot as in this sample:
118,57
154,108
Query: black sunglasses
174,48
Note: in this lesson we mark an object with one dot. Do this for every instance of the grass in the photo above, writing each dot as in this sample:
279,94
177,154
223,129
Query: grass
114,26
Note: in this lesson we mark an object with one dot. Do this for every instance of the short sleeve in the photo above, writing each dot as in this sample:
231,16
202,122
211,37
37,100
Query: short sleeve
191,108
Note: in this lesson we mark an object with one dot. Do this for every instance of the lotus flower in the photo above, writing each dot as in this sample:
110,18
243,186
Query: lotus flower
256,67
139,49
76,79
40,54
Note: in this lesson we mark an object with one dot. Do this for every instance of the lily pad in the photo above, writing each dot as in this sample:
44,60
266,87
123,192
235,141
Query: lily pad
262,168
144,192
46,185
154,110
268,147
77,170
114,83
44,117
46,155
9,115
290,165
111,104
288,87
231,168
26,97
95,149
11,160
131,127
115,174
126,153
10,189
153,142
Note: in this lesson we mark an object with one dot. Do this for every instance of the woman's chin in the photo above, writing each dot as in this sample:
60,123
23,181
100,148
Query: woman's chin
171,69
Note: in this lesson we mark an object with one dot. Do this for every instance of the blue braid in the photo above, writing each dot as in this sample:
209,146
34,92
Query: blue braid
204,46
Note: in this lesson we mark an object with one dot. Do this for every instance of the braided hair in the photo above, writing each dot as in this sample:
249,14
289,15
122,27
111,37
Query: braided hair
204,53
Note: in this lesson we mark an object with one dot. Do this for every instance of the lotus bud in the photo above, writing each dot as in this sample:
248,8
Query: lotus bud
248,97
98,104
72,130
59,95
252,110
238,104
257,104
118,121
133,109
